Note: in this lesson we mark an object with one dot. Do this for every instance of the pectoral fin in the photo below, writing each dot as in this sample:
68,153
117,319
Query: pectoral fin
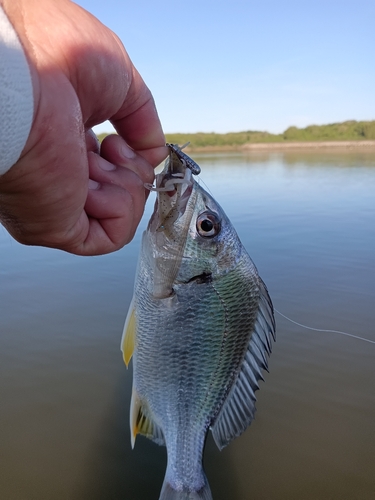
128,335
239,408
142,423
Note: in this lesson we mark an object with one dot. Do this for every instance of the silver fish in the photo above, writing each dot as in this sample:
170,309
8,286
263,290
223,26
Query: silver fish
199,329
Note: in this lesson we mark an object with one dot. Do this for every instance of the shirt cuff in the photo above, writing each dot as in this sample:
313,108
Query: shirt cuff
16,96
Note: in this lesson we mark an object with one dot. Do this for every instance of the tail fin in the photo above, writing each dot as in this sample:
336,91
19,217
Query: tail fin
169,493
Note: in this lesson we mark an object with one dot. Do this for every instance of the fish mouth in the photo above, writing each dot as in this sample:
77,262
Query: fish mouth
169,225
174,187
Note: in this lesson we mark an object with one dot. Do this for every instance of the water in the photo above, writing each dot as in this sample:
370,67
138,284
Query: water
307,220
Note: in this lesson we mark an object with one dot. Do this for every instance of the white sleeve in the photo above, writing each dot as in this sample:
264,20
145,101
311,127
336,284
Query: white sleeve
16,96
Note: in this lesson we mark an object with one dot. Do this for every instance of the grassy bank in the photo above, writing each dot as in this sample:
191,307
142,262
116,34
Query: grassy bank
346,131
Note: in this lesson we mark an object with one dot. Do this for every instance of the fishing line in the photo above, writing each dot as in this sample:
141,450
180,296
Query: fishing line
201,181
324,331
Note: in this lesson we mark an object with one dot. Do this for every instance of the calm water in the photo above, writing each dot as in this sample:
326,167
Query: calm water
308,221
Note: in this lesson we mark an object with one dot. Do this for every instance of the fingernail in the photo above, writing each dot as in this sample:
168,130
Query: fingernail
106,165
98,161
93,184
127,151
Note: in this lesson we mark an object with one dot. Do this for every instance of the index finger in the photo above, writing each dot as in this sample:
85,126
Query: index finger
138,122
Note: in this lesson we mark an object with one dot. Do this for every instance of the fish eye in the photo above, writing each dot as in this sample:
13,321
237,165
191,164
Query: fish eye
208,224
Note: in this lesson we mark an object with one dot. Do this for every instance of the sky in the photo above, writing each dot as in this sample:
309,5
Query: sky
226,66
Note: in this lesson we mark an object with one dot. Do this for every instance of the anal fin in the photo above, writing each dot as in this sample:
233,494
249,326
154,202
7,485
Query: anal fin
142,423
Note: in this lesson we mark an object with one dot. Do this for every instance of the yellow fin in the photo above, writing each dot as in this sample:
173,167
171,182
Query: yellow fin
135,408
142,423
128,335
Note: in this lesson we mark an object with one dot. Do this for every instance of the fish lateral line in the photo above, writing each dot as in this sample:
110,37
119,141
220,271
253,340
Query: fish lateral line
346,334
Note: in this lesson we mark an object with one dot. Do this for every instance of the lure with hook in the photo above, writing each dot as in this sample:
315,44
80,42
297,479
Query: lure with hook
184,158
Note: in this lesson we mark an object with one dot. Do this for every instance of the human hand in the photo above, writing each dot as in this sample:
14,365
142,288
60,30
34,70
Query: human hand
63,192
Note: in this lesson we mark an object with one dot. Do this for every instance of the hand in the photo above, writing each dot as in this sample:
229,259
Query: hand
63,192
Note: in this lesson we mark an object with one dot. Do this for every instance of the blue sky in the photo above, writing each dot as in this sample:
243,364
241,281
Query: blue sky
216,66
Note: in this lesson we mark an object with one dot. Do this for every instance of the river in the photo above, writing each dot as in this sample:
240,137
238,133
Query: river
308,222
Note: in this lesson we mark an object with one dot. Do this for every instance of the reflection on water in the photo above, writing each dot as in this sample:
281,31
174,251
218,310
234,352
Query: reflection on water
307,220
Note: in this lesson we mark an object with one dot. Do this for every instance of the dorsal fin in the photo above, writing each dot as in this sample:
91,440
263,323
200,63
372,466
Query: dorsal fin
239,409
142,423
128,335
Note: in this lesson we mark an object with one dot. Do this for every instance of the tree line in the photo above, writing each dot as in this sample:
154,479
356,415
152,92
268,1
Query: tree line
351,130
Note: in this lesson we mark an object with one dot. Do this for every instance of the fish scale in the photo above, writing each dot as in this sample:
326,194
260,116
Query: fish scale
199,330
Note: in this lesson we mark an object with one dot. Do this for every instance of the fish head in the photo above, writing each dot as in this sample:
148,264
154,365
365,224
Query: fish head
212,246
189,237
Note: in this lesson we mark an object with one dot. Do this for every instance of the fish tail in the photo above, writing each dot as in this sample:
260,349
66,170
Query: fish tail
169,493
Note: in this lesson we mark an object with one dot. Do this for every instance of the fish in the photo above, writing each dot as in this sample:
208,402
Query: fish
199,329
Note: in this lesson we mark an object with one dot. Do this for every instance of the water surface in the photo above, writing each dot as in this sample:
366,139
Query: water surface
308,222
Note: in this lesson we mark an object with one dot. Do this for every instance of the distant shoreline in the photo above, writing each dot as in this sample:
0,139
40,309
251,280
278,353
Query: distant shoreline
344,136
287,146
